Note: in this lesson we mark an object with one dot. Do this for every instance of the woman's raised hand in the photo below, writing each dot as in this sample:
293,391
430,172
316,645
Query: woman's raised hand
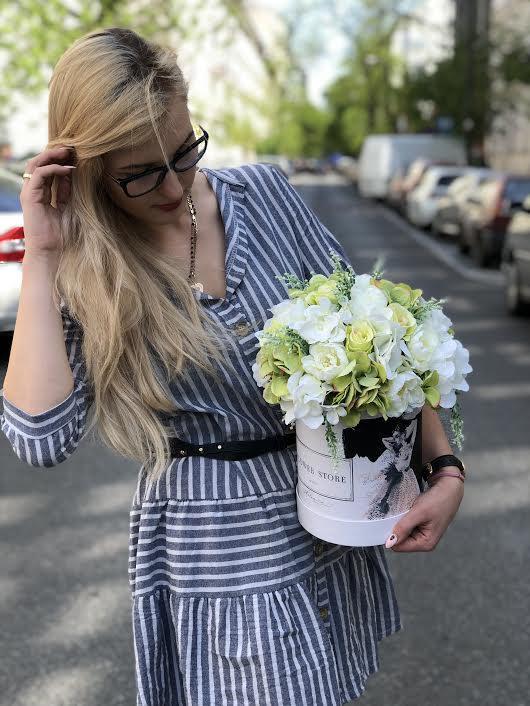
41,219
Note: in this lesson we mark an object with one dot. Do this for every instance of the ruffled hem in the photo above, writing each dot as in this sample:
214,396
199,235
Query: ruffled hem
314,642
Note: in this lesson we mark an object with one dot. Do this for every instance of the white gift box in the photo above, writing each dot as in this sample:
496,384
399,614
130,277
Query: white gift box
357,501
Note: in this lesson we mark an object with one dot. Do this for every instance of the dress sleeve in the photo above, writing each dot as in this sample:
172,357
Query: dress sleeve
49,438
314,240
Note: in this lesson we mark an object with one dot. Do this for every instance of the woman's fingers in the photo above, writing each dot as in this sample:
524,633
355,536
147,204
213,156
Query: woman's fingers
37,188
61,152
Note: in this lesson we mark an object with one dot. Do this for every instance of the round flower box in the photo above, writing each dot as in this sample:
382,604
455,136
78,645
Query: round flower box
358,500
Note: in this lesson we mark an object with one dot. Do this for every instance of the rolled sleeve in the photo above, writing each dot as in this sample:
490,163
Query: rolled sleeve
50,437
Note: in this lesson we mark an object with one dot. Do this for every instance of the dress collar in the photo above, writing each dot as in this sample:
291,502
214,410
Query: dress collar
224,175
230,194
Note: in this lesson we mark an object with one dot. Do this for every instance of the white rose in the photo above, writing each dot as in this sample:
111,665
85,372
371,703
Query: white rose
325,361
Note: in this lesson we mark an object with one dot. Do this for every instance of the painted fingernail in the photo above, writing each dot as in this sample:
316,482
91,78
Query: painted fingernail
391,541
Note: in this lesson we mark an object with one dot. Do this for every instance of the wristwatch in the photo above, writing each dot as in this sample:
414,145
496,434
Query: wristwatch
429,468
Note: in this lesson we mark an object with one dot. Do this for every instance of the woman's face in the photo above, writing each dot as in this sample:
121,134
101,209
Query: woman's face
124,162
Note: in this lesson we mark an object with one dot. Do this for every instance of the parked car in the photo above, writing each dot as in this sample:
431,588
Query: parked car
313,165
11,247
487,215
515,261
348,166
413,177
422,201
382,155
395,188
447,221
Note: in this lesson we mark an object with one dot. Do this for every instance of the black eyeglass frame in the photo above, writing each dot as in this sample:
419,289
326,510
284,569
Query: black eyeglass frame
164,170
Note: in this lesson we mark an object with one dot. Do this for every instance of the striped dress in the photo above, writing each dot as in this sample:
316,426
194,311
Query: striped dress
233,602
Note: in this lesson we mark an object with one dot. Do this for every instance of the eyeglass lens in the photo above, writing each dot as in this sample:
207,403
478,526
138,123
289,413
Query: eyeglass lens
146,183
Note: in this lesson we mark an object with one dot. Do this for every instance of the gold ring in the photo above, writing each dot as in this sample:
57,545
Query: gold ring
27,175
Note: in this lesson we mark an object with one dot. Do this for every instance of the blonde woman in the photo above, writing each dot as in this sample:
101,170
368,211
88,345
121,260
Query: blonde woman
145,278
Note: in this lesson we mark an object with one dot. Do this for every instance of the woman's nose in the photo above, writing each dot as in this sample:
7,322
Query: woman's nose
171,186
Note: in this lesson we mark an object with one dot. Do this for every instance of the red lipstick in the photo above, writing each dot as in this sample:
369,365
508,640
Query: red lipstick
169,207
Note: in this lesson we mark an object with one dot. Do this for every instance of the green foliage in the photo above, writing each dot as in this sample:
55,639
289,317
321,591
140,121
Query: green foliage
331,438
299,128
457,424
42,31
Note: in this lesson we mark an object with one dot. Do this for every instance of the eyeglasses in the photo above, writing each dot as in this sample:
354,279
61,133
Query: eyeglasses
143,183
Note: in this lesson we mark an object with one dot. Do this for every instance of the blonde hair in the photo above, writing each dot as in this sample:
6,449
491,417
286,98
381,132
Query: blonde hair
140,322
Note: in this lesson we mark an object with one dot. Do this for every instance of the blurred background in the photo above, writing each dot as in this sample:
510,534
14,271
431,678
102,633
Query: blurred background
405,124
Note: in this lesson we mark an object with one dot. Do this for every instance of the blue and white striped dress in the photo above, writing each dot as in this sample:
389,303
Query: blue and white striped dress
233,602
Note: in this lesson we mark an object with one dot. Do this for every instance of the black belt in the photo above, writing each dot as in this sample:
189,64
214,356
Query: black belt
231,450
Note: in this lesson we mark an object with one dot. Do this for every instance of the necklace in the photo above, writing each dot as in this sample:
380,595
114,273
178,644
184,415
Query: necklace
193,212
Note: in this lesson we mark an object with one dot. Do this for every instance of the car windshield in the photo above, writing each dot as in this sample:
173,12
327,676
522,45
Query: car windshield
517,190
446,179
9,196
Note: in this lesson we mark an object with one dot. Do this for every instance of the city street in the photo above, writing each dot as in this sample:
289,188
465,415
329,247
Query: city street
66,636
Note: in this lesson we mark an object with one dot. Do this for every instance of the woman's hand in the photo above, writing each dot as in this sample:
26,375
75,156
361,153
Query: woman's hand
422,527
41,219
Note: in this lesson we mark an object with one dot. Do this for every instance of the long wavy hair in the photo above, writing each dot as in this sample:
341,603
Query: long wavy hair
140,323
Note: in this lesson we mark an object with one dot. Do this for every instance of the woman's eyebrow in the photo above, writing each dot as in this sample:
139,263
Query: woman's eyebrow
153,164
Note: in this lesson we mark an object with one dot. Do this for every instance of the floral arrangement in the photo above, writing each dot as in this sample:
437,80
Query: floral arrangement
347,346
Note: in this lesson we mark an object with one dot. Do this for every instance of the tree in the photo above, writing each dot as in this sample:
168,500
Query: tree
364,98
45,30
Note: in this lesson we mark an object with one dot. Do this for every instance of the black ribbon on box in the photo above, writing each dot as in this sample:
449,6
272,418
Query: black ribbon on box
366,439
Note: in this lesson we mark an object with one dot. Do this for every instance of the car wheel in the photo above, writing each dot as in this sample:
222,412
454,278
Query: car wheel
436,230
512,291
478,253
463,247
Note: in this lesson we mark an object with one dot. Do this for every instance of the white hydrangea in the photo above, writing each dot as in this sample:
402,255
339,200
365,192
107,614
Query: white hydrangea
452,378
388,345
260,380
305,397
405,393
319,323
366,300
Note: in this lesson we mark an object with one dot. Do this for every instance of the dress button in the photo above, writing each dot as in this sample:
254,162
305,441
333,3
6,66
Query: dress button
242,328
323,613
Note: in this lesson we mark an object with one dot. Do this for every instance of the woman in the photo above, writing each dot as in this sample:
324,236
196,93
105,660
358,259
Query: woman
233,602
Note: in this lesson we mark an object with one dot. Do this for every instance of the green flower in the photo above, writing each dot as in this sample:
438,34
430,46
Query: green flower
404,294
404,318
320,286
359,336
429,387
400,293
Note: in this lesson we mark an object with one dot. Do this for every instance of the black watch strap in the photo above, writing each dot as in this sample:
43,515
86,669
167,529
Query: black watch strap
439,462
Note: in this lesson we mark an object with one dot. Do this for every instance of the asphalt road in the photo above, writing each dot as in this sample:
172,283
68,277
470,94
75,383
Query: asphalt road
66,638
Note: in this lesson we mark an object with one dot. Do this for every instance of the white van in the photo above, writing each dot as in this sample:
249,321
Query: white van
382,155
